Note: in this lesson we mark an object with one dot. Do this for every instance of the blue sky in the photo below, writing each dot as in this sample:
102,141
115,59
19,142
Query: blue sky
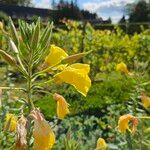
104,8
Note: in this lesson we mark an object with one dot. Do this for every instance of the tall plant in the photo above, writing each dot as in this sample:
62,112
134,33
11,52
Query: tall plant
30,48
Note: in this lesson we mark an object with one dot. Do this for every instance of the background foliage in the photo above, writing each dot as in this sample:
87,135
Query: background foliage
111,95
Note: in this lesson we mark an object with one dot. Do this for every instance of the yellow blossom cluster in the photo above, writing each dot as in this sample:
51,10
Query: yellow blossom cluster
74,74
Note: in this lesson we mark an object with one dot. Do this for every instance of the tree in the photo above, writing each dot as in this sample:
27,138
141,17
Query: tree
140,12
122,20
109,20
16,2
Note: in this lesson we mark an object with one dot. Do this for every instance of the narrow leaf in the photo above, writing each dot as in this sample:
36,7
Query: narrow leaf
75,57
35,36
8,58
14,32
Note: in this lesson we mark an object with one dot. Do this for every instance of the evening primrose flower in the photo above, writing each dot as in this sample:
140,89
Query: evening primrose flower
123,123
55,56
62,106
101,144
122,67
10,122
44,137
76,75
145,100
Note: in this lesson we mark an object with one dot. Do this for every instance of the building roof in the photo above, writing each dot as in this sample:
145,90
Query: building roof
22,11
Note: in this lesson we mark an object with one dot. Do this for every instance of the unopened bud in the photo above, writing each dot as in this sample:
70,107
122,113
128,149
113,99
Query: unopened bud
13,46
1,26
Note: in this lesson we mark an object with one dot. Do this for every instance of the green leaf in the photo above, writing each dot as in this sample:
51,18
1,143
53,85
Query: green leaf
8,58
35,36
75,57
45,40
14,32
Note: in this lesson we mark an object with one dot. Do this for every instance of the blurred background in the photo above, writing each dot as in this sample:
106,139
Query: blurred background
102,14
116,31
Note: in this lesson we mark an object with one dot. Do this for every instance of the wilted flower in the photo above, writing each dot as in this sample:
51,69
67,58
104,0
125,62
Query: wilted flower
10,122
145,100
21,142
55,56
122,67
44,137
62,106
101,144
123,123
76,75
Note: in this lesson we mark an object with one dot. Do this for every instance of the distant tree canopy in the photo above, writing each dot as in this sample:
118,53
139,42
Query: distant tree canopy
17,2
122,20
139,12
70,10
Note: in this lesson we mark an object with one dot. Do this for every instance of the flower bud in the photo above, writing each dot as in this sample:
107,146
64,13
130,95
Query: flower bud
13,46
62,106
1,26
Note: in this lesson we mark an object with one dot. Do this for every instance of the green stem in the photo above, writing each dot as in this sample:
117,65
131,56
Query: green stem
144,117
29,98
29,91
129,141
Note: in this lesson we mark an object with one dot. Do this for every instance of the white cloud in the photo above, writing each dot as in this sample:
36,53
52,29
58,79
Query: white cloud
42,3
107,8
99,4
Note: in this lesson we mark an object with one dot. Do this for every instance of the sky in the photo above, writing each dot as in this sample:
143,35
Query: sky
104,8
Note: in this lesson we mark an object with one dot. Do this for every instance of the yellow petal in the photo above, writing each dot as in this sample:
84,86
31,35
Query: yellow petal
62,106
55,56
145,101
76,75
122,67
10,122
44,137
83,68
101,144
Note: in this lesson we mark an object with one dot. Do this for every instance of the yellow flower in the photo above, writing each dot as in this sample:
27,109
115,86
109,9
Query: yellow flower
101,144
62,106
55,56
145,101
10,122
123,123
122,67
44,137
76,75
